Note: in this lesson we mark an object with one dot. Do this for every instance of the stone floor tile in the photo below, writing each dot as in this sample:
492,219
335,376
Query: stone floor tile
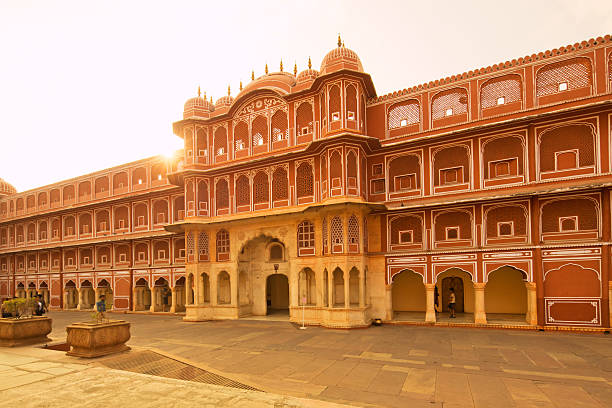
360,376
526,394
16,381
488,391
453,389
15,359
567,396
335,372
420,382
387,382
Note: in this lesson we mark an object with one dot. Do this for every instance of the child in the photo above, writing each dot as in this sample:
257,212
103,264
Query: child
451,303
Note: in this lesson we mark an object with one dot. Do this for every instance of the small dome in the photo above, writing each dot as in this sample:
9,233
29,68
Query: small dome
6,189
224,101
197,102
341,58
307,75
197,106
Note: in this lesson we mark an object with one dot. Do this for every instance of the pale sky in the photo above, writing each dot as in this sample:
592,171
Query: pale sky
87,85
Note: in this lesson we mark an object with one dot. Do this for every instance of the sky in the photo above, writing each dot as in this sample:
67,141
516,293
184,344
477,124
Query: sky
87,85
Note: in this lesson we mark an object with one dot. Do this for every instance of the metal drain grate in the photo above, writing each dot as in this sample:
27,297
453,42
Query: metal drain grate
152,363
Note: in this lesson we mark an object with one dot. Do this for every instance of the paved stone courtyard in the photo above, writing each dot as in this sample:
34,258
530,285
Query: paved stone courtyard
391,366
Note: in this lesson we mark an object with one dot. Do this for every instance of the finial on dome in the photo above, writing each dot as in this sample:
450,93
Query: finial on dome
204,95
339,41
228,91
266,69
342,44
199,91
241,85
309,63
295,68
211,100
252,75
281,65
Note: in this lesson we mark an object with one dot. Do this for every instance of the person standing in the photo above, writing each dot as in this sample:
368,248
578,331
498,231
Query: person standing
39,308
452,299
101,306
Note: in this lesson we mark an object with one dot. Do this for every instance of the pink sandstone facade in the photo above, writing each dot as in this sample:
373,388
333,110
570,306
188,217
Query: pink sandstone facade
309,193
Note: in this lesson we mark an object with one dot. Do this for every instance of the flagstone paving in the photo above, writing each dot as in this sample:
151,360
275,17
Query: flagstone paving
390,366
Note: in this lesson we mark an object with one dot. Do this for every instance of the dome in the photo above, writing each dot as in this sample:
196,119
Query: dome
197,102
307,75
278,81
196,107
341,58
6,189
224,101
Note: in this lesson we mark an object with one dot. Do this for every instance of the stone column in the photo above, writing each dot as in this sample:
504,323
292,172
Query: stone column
81,293
480,315
362,288
234,287
330,289
153,299
610,300
66,306
347,290
430,307
389,302
319,281
173,306
532,304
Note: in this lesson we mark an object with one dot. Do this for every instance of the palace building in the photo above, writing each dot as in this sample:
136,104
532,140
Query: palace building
310,194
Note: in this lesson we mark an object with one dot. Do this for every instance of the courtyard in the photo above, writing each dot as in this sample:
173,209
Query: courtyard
389,366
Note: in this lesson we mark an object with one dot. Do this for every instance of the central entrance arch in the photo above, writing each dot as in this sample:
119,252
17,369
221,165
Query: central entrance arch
456,284
277,294
263,277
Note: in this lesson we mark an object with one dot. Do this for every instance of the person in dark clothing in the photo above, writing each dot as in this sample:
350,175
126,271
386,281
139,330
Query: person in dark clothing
436,299
101,306
39,308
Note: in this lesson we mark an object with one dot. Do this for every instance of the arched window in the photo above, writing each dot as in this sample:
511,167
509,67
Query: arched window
280,182
220,142
562,76
203,246
261,188
304,123
224,293
304,180
500,91
403,114
223,245
334,103
202,197
276,252
449,103
351,106
260,131
307,287
351,172
222,194
305,238
325,236
353,234
190,247
337,235
241,136
243,191
280,130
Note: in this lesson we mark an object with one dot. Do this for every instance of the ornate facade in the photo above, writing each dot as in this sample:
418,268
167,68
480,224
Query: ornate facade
310,193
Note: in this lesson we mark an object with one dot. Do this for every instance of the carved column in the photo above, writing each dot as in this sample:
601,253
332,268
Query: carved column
362,288
389,302
347,290
173,306
480,315
153,299
532,304
430,308
330,288
81,293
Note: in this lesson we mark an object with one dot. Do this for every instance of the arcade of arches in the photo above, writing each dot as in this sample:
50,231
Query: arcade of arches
507,295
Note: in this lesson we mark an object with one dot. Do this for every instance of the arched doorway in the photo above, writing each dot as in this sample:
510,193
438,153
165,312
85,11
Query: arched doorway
160,297
142,295
452,284
20,292
461,282
506,295
44,291
32,290
277,294
104,288
179,292
87,296
71,295
259,258
408,296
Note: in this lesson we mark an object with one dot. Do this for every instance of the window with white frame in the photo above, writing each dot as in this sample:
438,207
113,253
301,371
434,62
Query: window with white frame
452,233
567,224
505,229
405,237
